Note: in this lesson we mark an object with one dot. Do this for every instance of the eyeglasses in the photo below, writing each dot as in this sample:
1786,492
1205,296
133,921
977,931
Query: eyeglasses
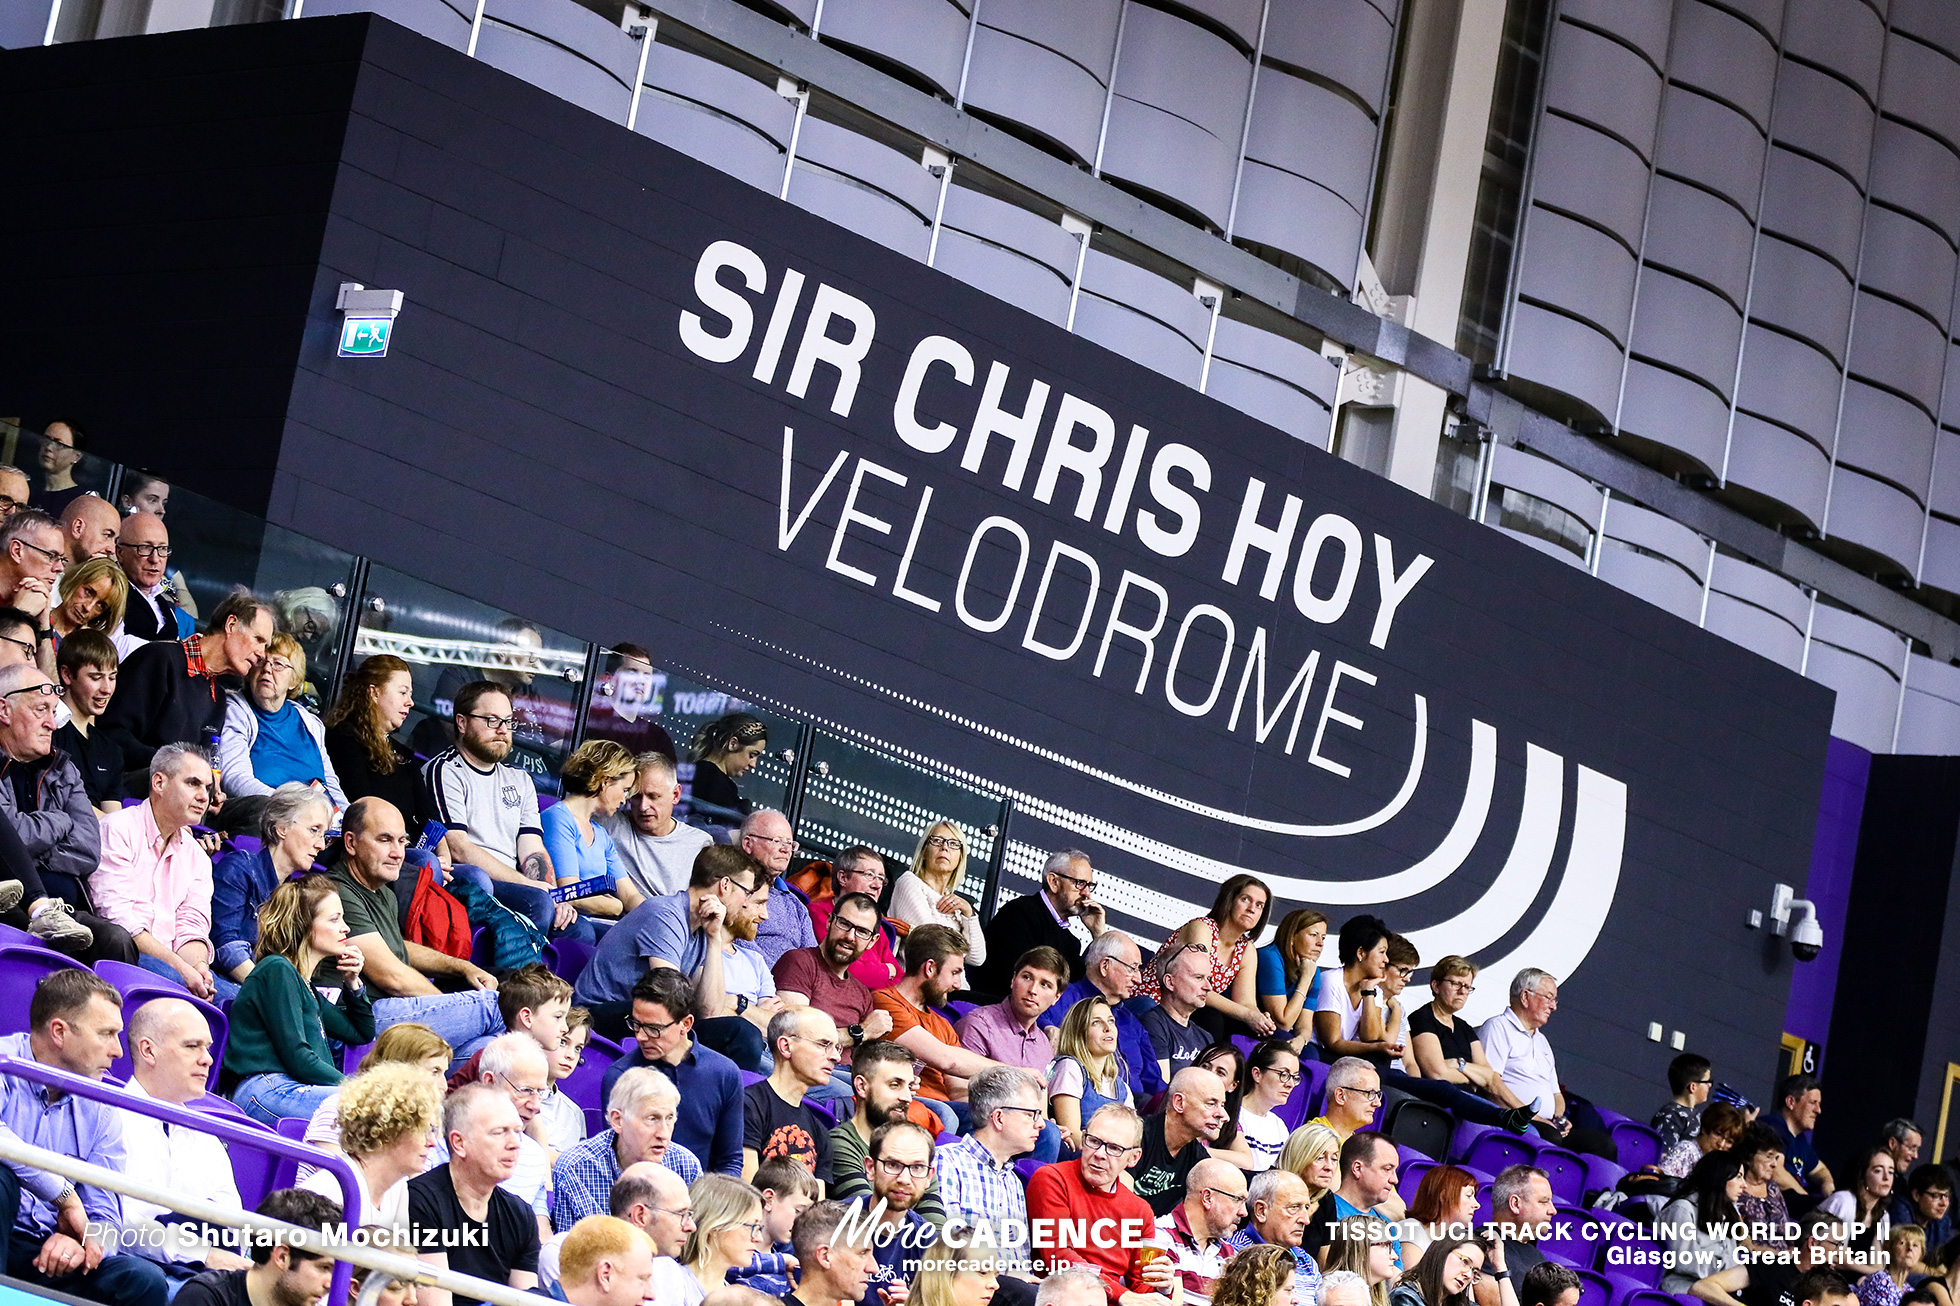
945,842
1090,1143
755,1228
1126,965
45,691
1034,1111
1372,1094
779,844
523,1090
1084,885
60,560
1236,1199
157,551
278,664
494,722
1460,983
21,644
1285,1076
640,1028
685,1215
865,932
916,1169
821,1044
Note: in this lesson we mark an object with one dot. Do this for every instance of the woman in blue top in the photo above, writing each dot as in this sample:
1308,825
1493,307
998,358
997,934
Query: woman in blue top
269,740
1289,976
594,783
1086,1074
294,827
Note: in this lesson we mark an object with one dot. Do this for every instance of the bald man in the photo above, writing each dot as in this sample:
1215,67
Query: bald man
1196,1227
170,1051
651,1198
143,549
1174,1142
90,527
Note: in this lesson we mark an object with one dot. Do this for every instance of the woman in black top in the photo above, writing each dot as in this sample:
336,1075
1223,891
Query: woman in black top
723,750
1447,1048
372,705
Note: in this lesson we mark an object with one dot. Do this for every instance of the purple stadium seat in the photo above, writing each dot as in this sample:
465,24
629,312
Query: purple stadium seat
1302,1104
350,1058
1627,1251
956,1008
284,1169
1409,1177
483,947
1467,1132
1575,1236
22,968
1497,1151
1594,1289
588,1077
121,973
752,1077
567,958
1623,1287
1639,1146
1244,1045
1025,1167
1609,1116
1601,1174
1654,1297
1565,1170
10,935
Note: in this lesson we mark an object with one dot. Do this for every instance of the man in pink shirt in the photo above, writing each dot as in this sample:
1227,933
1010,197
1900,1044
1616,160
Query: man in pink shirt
862,870
155,881
1006,1030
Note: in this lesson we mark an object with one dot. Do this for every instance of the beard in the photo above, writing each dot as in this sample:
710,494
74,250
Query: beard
744,928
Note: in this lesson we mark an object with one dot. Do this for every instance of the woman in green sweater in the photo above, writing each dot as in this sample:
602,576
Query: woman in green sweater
277,1052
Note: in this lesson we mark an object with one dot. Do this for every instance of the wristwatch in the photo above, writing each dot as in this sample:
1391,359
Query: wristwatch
741,1003
856,1032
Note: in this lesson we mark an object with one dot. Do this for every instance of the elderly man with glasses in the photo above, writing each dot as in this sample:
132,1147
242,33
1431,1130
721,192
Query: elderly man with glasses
1062,915
32,557
1196,1228
143,549
515,1066
50,841
1515,1044
767,837
1112,967
641,1112
776,1121
1081,1212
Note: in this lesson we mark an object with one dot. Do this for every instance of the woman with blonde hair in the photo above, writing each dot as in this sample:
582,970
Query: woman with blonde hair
1260,1275
93,595
406,1044
1363,1245
277,1054
388,1119
1314,1153
728,1232
926,894
961,1273
594,782
1086,1074
1288,975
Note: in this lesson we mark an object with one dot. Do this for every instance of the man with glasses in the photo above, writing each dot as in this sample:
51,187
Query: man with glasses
143,549
56,839
1112,966
32,558
155,881
651,1198
900,1168
1009,1108
862,871
775,1119
171,691
1515,1045
661,1020
641,1112
824,977
515,1066
767,837
1063,915
1354,1094
1690,1076
1196,1228
1080,1212
491,809
13,490
1278,1207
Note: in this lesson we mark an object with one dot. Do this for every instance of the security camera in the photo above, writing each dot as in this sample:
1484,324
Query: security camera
1806,935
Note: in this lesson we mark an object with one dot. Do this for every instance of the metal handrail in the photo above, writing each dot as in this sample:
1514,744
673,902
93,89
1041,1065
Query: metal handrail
345,1253
217,1126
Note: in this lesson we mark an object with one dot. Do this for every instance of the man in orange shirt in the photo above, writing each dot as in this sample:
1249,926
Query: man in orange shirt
1080,1213
935,966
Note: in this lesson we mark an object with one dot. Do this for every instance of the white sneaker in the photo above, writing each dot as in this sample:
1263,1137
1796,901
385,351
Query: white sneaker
56,925
11,892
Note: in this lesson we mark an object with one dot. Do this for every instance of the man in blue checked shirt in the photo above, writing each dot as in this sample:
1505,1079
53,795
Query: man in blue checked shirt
53,1230
641,1113
977,1181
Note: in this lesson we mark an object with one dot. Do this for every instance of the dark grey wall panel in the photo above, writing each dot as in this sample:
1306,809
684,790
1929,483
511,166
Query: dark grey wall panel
1688,327
1817,113
1790,382
1710,143
1945,497
1771,460
1597,80
1348,42
1580,270
1700,235
1803,293
1239,17
1845,36
1918,173
1898,348
1813,205
1722,55
1935,22
1919,84
927,37
1886,436
1586,172
1672,410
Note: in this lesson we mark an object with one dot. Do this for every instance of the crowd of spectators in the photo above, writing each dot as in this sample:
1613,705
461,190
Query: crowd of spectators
828,1069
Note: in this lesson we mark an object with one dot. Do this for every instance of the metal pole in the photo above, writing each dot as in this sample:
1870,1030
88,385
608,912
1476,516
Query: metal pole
476,29
799,774
350,626
583,704
643,33
998,862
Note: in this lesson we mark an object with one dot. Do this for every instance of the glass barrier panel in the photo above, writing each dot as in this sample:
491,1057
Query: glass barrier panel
56,471
634,699
854,795
215,548
449,641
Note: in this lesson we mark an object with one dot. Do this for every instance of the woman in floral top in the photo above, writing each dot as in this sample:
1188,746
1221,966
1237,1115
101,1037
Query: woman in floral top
1761,1203
1884,1287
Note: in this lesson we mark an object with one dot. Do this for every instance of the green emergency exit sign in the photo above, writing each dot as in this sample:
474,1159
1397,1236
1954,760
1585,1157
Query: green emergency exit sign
365,337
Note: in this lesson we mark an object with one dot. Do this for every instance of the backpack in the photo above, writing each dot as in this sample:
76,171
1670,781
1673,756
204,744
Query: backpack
514,938
435,918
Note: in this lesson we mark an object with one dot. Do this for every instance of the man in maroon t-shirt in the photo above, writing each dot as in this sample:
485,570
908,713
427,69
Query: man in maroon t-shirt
1080,1213
862,870
821,977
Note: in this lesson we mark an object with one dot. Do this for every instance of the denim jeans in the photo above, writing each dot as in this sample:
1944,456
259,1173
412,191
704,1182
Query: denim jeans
270,1098
736,1038
226,989
465,1021
120,1280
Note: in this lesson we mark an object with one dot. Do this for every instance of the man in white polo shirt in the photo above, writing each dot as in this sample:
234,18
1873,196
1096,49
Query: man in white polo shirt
1517,1049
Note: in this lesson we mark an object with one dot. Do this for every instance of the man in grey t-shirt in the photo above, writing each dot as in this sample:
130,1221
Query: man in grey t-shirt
657,851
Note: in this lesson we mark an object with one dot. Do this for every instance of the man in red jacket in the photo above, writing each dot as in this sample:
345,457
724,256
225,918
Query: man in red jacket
1080,1213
